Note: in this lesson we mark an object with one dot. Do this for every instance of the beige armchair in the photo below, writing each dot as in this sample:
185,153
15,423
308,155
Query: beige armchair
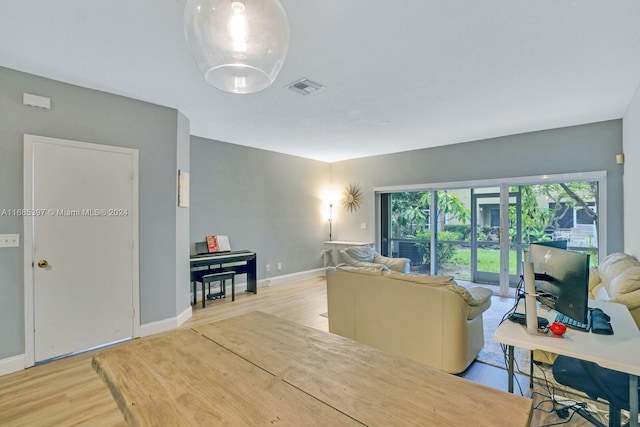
365,256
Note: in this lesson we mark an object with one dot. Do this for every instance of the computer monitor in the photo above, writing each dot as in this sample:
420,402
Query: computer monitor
562,280
562,244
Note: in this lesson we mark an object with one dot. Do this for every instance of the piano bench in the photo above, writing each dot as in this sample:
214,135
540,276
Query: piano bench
222,278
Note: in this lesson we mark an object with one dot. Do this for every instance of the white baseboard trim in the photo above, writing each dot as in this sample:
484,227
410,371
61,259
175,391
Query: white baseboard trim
166,324
185,315
271,281
13,364
17,363
285,279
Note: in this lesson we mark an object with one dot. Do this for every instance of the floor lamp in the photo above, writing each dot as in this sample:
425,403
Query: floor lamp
330,219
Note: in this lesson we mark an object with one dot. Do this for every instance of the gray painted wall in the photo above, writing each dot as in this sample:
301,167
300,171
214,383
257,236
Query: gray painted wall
267,202
86,115
585,148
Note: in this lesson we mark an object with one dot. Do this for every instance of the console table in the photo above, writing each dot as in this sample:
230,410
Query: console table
335,245
257,369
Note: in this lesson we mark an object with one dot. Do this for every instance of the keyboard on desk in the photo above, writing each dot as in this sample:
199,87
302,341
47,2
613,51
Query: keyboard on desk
572,323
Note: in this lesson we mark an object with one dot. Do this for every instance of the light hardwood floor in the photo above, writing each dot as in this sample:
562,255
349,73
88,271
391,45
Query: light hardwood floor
67,392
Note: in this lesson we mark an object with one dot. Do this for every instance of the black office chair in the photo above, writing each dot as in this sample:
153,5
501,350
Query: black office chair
597,382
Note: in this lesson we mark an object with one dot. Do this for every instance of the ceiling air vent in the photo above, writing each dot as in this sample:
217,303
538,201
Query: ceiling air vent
305,87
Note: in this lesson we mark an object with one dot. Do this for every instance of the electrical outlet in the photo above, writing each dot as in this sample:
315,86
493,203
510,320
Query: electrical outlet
268,268
9,240
279,266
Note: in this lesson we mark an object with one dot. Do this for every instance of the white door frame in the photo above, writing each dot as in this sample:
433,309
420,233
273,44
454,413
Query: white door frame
29,140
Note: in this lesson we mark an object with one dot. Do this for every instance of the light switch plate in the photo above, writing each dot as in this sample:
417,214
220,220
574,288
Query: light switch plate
9,240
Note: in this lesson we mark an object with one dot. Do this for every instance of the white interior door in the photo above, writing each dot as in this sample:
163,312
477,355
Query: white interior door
84,244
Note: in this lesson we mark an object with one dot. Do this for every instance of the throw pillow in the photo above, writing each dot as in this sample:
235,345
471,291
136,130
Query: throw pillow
361,253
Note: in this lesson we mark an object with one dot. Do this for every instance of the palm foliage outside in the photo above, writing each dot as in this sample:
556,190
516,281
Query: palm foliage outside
411,220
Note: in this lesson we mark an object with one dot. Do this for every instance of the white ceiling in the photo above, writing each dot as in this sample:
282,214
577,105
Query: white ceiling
399,75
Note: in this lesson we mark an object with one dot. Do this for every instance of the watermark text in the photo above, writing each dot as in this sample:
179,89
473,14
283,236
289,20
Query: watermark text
61,212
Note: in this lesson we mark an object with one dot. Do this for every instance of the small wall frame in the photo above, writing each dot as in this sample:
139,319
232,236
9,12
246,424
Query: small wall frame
183,189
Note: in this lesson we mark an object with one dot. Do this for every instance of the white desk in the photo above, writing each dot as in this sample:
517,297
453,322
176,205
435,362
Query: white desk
336,245
619,351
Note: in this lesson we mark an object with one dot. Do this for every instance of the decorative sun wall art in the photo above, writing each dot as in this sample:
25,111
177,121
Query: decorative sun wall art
352,196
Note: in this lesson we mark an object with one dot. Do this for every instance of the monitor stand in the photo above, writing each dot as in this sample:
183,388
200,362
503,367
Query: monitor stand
530,306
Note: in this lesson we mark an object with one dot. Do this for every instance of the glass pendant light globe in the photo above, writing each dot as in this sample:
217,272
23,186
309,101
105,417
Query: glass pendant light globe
239,46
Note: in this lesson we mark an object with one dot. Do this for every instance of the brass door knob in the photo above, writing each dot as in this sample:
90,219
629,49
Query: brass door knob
42,263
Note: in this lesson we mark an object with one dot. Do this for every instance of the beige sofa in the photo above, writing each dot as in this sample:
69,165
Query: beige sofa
617,279
429,319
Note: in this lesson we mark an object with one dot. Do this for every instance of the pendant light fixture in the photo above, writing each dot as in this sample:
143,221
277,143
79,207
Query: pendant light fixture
239,46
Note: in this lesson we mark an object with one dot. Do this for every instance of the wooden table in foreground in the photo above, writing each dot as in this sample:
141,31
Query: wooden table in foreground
256,369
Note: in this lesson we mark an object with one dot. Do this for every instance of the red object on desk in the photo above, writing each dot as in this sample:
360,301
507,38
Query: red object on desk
558,328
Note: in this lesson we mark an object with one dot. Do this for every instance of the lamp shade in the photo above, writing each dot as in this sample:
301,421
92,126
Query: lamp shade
239,46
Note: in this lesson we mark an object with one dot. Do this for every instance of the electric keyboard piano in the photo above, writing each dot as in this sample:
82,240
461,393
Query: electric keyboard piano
241,262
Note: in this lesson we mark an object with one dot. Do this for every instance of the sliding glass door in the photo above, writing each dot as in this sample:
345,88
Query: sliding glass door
496,236
567,211
407,222
479,233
